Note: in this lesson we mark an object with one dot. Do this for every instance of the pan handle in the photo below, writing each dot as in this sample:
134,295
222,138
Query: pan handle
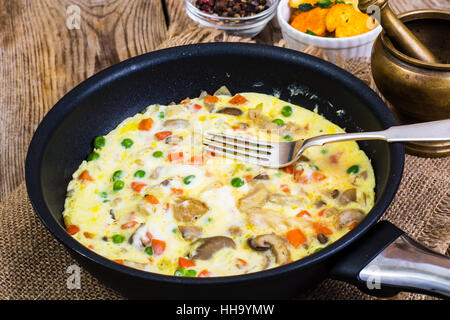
387,261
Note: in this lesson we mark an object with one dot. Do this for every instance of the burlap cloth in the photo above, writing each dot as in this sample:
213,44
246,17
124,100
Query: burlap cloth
35,266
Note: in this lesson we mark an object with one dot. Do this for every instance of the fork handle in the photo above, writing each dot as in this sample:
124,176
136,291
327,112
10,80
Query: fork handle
426,131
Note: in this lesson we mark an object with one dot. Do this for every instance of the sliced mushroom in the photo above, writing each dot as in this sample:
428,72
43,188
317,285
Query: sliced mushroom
112,214
232,111
176,123
347,196
322,238
166,182
331,211
262,176
254,198
273,242
211,245
190,232
223,91
319,204
173,139
139,237
156,173
235,231
347,217
335,193
188,209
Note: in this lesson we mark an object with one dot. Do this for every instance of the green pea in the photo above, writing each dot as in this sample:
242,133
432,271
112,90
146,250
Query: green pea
353,169
127,143
157,154
237,182
118,185
288,137
161,115
117,175
93,156
118,238
149,251
209,219
174,230
314,167
324,151
190,273
279,122
104,194
99,142
139,174
286,111
188,179
317,250
180,272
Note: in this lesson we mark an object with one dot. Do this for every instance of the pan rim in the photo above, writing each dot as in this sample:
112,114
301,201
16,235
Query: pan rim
69,102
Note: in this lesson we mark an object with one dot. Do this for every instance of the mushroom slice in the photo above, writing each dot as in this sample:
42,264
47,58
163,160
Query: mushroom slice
235,231
211,245
139,237
188,209
255,198
232,111
319,204
273,242
347,196
156,173
176,123
331,211
347,217
190,232
223,91
173,139
261,176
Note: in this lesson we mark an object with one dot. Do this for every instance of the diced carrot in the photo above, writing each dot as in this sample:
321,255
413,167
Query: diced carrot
298,175
321,212
353,225
296,237
85,176
238,99
303,213
150,260
289,169
204,274
158,246
175,156
151,199
317,176
90,247
129,225
335,157
320,227
137,186
197,107
72,229
118,261
145,124
241,263
211,99
176,191
285,188
185,101
88,235
197,160
185,263
163,134
248,177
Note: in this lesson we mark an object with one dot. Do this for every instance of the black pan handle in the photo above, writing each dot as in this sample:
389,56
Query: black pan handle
386,261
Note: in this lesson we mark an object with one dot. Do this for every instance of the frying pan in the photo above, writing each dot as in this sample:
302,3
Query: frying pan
377,257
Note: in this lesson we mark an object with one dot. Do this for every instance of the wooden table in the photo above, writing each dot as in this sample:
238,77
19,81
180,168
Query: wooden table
42,57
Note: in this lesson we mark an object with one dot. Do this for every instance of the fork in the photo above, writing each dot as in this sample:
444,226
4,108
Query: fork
282,154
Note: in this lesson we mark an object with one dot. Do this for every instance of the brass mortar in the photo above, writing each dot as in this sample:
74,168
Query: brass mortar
418,90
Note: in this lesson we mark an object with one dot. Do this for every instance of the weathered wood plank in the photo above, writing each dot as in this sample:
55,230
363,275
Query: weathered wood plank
41,59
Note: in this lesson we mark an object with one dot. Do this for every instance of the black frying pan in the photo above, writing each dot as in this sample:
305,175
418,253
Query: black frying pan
99,104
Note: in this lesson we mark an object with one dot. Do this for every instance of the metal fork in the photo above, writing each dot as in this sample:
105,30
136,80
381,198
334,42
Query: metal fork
281,154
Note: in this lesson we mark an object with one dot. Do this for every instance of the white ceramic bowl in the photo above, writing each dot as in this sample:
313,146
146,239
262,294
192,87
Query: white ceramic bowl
351,47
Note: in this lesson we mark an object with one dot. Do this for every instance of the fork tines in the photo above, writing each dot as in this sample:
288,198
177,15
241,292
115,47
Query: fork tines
238,148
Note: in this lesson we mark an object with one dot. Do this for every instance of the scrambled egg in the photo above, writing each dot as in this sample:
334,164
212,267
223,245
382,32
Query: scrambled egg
151,197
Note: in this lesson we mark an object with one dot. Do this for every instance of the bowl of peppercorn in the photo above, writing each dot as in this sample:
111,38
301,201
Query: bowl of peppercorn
244,18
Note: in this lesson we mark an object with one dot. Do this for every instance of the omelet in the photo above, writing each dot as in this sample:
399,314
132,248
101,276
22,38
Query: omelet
151,197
